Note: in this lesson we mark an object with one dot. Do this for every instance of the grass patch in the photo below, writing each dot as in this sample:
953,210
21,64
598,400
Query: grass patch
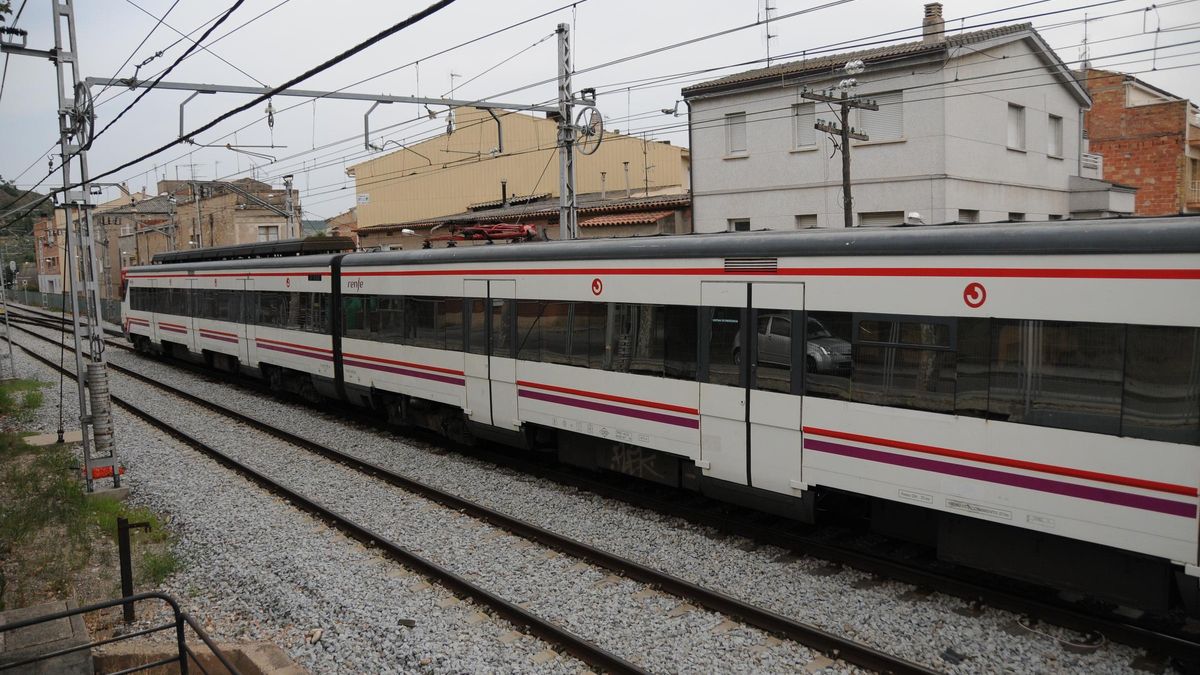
20,396
51,533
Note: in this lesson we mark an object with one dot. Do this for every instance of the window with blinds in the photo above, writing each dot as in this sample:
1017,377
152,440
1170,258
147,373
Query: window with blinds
1016,127
1054,145
880,218
887,123
735,133
804,134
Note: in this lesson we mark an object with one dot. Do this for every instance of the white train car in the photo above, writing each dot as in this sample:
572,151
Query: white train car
1024,397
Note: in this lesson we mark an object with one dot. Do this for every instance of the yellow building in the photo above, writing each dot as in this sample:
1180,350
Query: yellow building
450,173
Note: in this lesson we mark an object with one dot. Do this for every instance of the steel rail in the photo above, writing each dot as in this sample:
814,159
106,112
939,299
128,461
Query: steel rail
811,636
585,650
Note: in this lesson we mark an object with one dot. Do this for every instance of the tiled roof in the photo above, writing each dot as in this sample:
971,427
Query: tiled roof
638,218
834,62
587,204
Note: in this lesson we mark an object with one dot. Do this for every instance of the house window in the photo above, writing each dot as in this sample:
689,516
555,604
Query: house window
739,225
1055,137
806,221
887,123
1016,216
1016,127
735,133
126,228
1056,216
880,218
804,117
968,215
268,232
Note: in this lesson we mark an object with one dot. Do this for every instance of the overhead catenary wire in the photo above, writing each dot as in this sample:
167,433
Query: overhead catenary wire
810,51
789,96
196,43
415,62
329,63
158,22
4,75
763,116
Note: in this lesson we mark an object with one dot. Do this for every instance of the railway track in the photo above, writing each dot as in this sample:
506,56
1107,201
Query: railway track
833,645
1160,643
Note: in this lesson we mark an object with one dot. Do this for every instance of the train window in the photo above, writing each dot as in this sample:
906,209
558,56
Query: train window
423,322
477,326
973,363
1058,374
385,318
177,302
682,343
637,342
1162,384
452,322
589,335
723,328
542,330
773,350
904,363
270,308
354,316
827,354
503,328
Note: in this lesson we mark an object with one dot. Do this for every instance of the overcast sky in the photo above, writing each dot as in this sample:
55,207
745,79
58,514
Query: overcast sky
299,34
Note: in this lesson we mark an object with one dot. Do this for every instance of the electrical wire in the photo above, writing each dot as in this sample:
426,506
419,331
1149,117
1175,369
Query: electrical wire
395,69
159,21
329,63
4,76
990,12
196,43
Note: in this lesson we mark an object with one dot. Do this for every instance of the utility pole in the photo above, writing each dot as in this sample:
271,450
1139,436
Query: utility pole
845,103
12,364
567,226
75,122
287,206
197,238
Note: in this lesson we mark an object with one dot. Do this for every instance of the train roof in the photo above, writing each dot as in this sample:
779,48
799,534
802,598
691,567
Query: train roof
1175,234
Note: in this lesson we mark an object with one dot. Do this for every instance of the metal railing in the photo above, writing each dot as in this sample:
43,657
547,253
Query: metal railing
185,656
1193,195
110,310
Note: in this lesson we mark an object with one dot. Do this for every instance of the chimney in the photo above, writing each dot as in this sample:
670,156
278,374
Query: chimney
932,26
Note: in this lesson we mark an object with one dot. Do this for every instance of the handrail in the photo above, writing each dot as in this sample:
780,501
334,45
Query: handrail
181,619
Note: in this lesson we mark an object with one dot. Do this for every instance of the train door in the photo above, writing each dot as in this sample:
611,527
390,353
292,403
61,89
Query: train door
751,383
475,360
249,317
490,365
246,308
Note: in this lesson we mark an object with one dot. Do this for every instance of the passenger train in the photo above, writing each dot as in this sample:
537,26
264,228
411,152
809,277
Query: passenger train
1026,398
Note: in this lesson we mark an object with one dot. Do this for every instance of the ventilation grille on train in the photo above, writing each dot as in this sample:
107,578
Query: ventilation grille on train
751,264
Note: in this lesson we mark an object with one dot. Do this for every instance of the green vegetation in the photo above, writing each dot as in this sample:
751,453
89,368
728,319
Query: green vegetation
50,531
20,397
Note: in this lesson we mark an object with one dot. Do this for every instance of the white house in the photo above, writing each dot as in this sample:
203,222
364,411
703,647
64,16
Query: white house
974,126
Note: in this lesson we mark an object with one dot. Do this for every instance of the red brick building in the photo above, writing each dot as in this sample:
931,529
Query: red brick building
1149,139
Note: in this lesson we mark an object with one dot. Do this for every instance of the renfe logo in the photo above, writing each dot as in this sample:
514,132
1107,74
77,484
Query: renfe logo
356,285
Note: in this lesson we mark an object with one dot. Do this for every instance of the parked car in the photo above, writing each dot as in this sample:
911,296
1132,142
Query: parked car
824,352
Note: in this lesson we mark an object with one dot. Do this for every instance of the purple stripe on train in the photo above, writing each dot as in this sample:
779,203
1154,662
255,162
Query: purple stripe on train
613,409
405,371
1097,494
289,350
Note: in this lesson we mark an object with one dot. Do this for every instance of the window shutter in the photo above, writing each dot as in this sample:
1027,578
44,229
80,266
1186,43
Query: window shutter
880,218
887,123
1055,146
735,132
1016,127
804,134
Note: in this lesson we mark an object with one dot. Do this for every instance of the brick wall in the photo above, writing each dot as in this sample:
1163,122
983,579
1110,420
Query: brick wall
1143,146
